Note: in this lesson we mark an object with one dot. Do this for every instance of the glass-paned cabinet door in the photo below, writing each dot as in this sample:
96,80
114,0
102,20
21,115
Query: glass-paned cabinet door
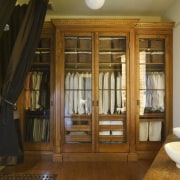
77,88
151,88
37,95
112,88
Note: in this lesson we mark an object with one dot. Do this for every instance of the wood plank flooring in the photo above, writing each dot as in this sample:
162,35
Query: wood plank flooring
81,170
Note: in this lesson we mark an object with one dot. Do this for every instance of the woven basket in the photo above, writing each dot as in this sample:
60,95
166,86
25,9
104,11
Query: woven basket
70,43
105,57
105,43
85,43
116,57
84,57
143,43
157,58
157,44
70,57
119,43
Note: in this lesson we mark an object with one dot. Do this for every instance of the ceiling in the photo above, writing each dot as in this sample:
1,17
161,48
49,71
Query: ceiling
111,8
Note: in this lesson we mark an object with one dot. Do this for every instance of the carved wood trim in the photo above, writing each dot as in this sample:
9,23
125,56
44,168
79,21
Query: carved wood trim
156,25
47,28
95,22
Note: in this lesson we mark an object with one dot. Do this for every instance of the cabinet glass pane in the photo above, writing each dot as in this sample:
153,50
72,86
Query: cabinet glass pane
78,89
37,95
112,89
151,88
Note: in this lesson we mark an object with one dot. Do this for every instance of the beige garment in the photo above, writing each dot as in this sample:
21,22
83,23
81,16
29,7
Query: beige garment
81,109
142,57
143,131
112,105
106,95
37,88
36,129
104,122
71,95
142,96
117,133
67,78
27,101
155,131
88,98
104,133
123,83
76,93
101,74
118,92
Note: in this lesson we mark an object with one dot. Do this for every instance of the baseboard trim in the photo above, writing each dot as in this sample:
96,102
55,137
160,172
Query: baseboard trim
95,156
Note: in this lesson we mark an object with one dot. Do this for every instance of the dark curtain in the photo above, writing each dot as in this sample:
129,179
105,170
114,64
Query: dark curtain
6,9
17,69
8,38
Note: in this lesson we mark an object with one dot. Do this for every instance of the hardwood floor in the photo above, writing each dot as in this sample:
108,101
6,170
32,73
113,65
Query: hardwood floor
81,170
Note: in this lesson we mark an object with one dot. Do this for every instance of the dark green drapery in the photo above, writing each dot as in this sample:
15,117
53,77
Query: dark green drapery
18,66
6,8
8,38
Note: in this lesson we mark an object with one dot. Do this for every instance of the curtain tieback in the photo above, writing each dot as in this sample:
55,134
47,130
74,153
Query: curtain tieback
7,101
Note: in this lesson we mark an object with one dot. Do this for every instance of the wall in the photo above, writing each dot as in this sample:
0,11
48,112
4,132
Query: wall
173,14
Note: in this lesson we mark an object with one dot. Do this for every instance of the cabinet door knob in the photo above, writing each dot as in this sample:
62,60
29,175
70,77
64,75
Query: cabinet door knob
92,103
138,102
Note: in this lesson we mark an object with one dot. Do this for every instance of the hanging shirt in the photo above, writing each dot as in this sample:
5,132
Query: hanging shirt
33,91
76,93
71,95
101,75
112,107
155,99
123,83
106,87
161,93
149,92
81,94
27,102
118,92
37,88
88,93
142,82
67,94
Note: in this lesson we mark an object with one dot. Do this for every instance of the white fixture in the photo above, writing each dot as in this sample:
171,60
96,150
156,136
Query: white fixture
173,151
95,4
176,131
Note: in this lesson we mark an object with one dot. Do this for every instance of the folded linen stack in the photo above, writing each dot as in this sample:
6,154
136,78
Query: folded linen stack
150,131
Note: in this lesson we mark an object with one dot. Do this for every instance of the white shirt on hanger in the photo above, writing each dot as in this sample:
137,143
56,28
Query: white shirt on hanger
112,93
81,94
76,93
67,94
101,75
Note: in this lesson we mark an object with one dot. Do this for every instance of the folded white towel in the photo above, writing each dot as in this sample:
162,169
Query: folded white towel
155,131
143,131
116,133
105,133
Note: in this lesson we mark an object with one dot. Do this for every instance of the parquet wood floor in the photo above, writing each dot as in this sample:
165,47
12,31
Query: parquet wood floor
81,170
